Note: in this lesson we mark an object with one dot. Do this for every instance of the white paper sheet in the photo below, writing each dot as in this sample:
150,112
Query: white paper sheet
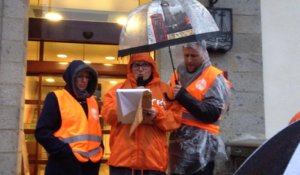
127,103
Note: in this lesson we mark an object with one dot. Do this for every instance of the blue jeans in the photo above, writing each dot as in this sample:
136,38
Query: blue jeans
128,171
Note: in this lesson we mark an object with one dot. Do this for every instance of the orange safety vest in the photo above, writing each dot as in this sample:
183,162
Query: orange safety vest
82,133
198,89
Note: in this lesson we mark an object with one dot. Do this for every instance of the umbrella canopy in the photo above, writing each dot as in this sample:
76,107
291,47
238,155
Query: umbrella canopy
162,23
279,155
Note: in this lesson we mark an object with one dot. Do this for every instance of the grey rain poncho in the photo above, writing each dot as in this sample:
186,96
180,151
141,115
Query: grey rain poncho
192,148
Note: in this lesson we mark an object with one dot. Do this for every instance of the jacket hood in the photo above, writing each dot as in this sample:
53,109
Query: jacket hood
144,56
72,72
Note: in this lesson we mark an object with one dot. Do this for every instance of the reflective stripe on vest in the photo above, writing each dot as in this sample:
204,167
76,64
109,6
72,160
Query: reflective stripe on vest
197,89
84,137
83,133
88,154
190,120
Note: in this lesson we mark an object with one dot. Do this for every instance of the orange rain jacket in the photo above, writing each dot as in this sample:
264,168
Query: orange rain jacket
146,148
84,137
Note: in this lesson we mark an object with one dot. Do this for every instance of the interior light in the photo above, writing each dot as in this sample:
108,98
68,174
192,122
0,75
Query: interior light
53,16
50,80
110,58
63,63
62,56
113,82
133,24
107,64
87,61
122,21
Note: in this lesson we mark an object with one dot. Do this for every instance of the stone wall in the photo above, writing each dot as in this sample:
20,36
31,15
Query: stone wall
13,38
244,65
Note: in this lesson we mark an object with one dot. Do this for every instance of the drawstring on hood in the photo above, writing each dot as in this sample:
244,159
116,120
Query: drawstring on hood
70,74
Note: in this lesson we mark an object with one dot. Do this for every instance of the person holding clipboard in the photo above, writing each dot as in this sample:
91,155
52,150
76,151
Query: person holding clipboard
145,151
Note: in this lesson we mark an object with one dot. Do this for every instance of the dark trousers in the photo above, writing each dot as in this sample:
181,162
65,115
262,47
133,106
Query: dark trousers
208,170
71,166
128,171
90,168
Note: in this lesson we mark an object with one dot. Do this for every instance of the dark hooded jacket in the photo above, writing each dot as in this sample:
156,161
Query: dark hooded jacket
60,157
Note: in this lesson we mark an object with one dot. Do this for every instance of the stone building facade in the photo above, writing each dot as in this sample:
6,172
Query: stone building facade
243,63
13,38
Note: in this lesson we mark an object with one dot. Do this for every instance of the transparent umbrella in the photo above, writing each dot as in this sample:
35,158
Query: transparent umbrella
163,23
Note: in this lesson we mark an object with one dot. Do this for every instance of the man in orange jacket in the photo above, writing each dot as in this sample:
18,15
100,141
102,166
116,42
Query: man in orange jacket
202,92
69,128
145,151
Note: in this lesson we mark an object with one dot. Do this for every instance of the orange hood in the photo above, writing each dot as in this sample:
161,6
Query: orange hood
144,56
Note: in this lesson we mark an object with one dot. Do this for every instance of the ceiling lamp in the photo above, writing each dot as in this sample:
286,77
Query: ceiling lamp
62,56
107,64
63,63
50,80
122,21
87,61
52,16
113,82
110,58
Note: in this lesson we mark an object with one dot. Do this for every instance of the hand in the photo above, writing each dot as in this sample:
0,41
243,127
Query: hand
149,115
176,89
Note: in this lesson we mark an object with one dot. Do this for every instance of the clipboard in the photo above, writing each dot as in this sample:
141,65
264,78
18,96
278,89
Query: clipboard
129,101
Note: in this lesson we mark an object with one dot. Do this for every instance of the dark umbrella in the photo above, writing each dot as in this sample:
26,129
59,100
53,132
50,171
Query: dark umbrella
277,156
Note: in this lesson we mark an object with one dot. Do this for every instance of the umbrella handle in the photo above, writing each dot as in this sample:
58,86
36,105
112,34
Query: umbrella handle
176,80
168,98
173,67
